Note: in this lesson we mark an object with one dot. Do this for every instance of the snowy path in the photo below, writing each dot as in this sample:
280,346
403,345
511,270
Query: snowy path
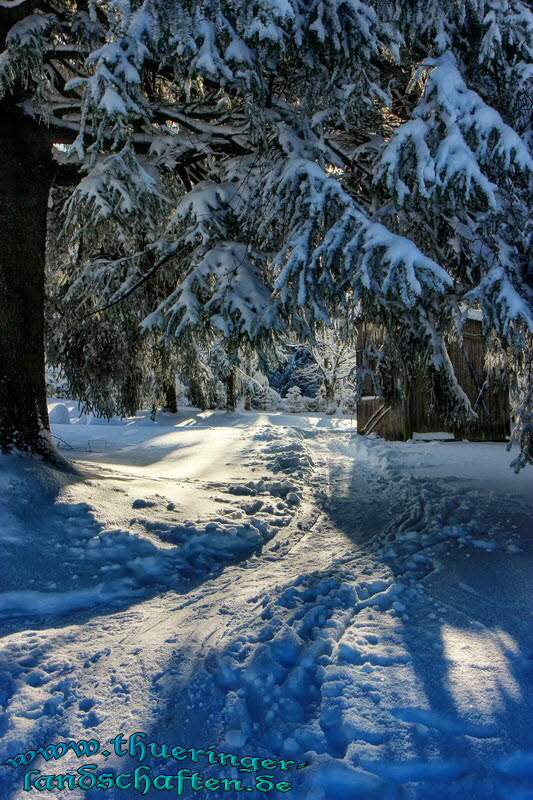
309,597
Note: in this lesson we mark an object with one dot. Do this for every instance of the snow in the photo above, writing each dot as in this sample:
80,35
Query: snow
239,300
29,29
349,616
59,414
427,437
455,165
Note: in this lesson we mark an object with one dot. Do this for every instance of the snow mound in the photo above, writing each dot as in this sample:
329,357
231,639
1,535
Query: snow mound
59,415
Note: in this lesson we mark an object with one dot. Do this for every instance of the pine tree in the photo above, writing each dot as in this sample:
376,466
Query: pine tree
455,175
294,402
264,164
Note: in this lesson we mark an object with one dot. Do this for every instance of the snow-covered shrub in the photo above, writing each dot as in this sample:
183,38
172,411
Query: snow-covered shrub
294,401
266,399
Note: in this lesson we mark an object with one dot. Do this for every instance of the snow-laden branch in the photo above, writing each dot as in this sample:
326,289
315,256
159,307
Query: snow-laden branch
455,140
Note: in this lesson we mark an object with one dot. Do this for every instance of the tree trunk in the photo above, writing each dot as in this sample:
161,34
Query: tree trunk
329,392
231,388
26,171
171,399
197,395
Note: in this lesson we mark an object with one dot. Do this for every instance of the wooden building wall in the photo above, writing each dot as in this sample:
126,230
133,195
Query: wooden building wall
392,424
415,415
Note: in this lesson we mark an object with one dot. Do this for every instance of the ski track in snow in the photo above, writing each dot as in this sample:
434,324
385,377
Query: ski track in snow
324,606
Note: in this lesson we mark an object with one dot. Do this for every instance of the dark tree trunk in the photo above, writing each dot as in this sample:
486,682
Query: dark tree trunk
197,395
231,388
171,399
26,170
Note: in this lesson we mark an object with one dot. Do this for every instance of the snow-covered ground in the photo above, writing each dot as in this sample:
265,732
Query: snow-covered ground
347,616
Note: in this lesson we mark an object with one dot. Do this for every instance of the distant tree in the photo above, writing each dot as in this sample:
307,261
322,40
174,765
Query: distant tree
264,397
324,368
294,402
335,358
296,368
